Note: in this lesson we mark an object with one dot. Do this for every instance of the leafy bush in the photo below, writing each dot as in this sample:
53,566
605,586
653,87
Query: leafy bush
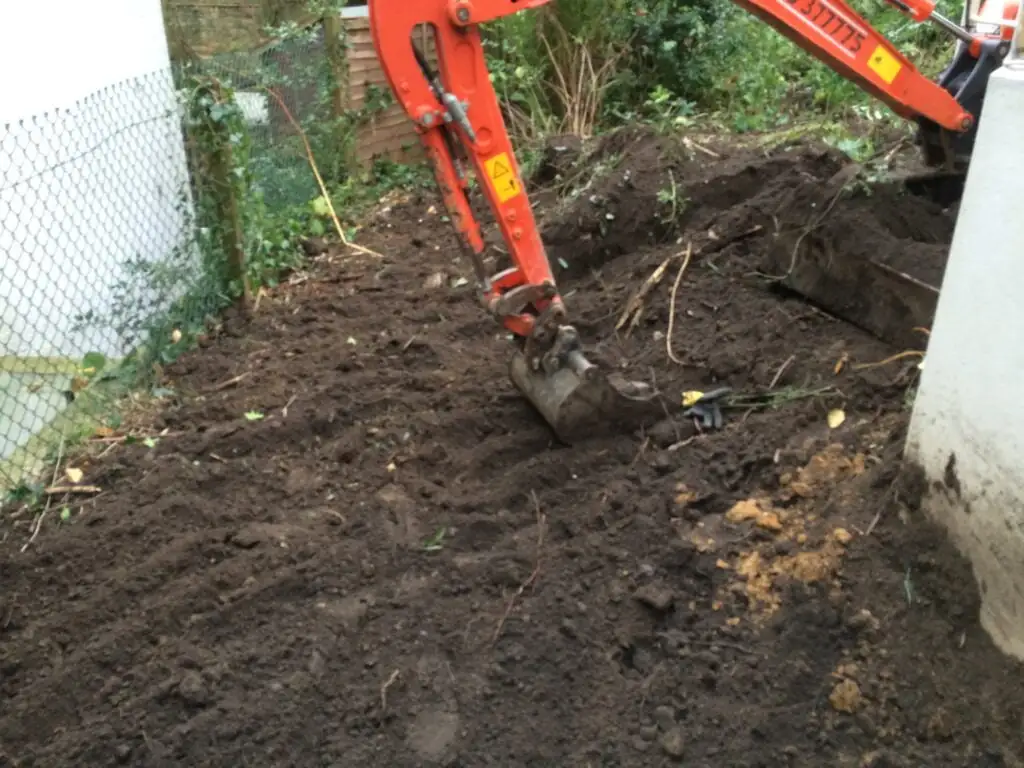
580,65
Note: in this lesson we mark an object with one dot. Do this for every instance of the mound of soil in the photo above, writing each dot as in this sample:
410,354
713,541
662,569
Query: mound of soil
784,214
351,542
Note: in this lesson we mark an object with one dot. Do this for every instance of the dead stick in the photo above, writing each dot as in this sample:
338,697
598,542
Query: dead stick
706,250
808,230
782,370
694,145
53,479
672,306
36,527
58,490
229,383
533,575
284,411
124,438
108,449
319,179
892,359
636,301
384,689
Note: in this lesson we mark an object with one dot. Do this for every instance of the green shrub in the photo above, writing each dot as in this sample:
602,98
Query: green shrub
582,65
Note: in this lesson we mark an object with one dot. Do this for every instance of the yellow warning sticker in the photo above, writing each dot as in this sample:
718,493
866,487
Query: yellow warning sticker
503,178
884,64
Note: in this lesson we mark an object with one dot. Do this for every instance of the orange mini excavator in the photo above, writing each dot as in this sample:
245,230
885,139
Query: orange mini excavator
459,120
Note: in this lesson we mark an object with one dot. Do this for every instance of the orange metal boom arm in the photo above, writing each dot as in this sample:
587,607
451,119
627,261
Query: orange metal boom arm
462,103
831,31
457,111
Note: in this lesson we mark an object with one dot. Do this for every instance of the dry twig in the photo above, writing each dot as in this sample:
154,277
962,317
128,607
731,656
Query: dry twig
229,383
672,305
890,359
634,308
694,145
53,479
541,522
291,400
36,526
850,171
319,179
782,369
60,490
384,689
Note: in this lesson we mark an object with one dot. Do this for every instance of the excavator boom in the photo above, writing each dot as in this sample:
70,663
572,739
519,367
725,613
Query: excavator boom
458,117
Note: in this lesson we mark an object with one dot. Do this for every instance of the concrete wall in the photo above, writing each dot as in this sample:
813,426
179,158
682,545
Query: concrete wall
967,430
92,165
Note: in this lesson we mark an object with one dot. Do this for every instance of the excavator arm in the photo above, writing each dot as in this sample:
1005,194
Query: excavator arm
458,117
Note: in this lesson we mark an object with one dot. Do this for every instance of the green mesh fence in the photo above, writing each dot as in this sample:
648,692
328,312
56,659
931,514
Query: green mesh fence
296,83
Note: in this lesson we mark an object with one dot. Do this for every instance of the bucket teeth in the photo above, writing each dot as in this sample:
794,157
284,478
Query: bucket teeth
580,402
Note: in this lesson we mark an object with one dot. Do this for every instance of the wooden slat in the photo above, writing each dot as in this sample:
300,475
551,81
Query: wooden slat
389,134
393,144
378,132
393,115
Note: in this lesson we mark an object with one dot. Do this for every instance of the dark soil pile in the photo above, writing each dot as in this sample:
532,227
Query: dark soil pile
357,545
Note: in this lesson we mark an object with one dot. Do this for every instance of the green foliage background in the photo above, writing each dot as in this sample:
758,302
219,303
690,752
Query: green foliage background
677,59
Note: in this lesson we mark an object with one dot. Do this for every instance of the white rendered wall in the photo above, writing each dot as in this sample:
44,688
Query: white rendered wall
967,430
91,165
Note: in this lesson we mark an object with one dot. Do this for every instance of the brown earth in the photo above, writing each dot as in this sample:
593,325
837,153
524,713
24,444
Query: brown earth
390,562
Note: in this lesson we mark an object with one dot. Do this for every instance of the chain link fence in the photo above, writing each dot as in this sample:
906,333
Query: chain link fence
97,238
131,219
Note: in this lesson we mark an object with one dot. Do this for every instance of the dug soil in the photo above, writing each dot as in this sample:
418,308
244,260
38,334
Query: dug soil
348,541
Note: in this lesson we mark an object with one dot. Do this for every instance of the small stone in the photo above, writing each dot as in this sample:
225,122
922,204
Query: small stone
867,724
938,727
801,488
842,536
663,434
751,509
123,753
665,717
673,743
317,665
193,690
640,745
863,621
784,548
659,598
878,758
845,697
246,538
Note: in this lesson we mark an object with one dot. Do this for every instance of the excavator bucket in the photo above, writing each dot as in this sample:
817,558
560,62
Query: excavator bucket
580,401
